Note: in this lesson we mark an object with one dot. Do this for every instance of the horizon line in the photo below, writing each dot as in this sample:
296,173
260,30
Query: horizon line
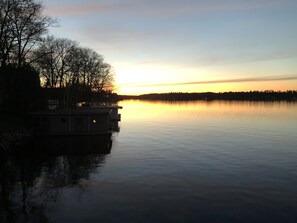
210,92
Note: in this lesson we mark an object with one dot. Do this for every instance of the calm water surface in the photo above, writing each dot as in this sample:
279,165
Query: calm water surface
170,162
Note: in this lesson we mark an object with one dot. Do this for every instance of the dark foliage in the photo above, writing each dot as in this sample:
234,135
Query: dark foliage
20,89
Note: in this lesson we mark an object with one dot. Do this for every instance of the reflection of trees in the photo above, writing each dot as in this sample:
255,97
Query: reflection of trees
31,184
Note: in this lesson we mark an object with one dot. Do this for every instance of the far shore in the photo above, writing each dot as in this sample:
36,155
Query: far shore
290,95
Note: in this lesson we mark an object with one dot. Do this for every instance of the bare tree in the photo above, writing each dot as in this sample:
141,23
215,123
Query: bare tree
55,61
22,26
103,79
62,62
45,61
6,31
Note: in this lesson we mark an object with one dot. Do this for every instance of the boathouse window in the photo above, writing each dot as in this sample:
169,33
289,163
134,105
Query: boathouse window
63,120
79,124
93,120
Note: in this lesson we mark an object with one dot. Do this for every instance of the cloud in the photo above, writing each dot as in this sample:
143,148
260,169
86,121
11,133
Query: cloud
75,10
165,7
236,80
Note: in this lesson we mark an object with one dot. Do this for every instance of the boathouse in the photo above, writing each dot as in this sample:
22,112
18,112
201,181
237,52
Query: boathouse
73,122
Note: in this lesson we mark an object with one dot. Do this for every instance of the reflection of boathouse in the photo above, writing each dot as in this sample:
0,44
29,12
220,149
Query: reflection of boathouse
70,145
82,121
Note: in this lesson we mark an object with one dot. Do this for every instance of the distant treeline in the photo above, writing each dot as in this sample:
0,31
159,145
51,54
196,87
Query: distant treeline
246,96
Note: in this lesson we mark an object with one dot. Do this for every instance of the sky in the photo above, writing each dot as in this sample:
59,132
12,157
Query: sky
160,46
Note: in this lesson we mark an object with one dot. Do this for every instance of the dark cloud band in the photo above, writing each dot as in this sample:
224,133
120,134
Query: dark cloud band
236,80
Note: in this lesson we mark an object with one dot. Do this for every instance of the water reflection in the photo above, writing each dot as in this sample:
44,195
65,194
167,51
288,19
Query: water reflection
31,184
71,145
172,162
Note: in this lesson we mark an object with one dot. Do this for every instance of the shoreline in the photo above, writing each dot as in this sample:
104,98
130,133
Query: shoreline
210,96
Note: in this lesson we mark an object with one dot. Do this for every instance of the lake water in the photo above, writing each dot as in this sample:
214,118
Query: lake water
171,162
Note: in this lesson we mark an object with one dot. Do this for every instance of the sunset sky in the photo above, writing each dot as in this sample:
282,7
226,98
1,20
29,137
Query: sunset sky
187,45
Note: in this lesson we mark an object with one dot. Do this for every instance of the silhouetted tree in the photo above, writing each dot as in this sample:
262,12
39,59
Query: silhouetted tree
62,62
54,61
22,26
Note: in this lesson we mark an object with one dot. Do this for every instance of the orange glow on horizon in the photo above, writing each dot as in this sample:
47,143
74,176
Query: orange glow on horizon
223,87
145,79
